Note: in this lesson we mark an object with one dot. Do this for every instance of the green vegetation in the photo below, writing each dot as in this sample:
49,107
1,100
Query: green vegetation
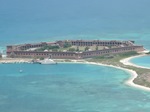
87,48
96,48
72,49
53,48
143,74
67,45
116,57
77,48
81,48
41,58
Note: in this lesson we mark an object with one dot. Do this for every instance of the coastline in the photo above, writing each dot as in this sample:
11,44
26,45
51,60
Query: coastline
129,82
14,60
125,61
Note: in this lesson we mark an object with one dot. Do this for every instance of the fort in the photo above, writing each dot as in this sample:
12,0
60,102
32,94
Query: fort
72,49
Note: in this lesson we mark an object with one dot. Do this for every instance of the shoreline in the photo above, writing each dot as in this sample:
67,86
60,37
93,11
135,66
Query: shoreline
129,82
125,61
14,60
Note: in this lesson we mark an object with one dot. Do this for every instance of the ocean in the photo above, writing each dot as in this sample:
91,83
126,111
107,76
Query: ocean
71,87
49,20
68,88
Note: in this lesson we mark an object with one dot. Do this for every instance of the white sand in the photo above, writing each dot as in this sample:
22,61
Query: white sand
15,60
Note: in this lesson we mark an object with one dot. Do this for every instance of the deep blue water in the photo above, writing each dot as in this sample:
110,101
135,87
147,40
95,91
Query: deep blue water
68,88
142,61
23,21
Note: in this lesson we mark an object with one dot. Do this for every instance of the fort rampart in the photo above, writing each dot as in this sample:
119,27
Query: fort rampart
20,50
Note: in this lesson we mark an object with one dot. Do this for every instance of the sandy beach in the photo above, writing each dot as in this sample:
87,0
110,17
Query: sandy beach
15,60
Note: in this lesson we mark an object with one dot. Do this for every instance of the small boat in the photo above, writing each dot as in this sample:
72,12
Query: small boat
20,71
48,62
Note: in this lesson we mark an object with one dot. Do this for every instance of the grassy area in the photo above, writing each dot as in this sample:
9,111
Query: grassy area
143,74
70,48
82,48
53,48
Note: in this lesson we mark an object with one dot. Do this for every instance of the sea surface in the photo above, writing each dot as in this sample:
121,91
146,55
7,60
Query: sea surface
142,61
23,21
71,87
68,88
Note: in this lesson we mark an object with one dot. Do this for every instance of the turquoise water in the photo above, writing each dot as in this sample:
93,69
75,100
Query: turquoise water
68,88
142,61
71,87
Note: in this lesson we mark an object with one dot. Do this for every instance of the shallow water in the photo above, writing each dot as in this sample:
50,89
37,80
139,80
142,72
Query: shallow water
142,61
68,88
71,87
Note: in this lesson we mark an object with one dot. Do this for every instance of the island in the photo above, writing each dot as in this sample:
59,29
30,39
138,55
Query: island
114,53
71,49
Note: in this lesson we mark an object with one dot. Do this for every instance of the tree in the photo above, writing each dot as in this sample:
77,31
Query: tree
41,58
96,48
77,48
52,47
66,45
86,48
